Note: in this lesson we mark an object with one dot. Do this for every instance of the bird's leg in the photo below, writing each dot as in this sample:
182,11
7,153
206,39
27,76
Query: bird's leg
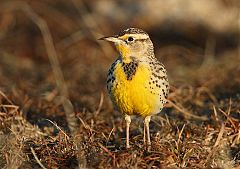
146,129
128,121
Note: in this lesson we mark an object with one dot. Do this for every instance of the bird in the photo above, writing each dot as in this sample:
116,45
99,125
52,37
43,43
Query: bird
137,82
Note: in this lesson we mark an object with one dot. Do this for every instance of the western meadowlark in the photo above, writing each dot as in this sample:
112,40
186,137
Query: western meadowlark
137,82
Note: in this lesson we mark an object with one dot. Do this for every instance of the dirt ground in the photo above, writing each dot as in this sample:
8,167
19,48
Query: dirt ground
54,108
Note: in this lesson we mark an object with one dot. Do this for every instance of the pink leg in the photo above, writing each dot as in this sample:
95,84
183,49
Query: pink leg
146,129
128,121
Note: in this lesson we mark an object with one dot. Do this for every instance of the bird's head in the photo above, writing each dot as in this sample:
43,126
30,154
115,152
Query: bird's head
132,43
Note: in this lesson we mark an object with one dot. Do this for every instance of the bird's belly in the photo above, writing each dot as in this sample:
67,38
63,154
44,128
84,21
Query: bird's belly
134,96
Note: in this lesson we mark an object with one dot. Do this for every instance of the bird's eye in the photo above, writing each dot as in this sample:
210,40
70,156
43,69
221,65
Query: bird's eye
130,39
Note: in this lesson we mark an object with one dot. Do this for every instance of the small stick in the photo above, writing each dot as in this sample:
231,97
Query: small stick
5,97
100,104
36,158
220,134
58,128
105,149
187,113
180,133
215,113
229,118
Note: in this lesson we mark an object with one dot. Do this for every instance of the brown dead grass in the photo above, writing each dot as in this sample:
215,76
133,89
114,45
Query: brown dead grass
199,128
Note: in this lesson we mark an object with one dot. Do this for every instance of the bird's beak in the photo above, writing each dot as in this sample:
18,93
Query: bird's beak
111,39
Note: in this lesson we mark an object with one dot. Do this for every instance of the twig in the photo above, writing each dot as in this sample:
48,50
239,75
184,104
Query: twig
230,107
86,126
180,133
58,128
220,134
229,118
237,138
215,113
109,135
83,123
167,120
105,149
187,113
100,104
109,152
9,106
36,158
5,97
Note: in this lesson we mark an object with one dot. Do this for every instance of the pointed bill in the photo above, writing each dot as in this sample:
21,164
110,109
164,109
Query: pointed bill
111,39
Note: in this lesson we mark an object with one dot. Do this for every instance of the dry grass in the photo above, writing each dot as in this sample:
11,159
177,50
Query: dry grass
199,128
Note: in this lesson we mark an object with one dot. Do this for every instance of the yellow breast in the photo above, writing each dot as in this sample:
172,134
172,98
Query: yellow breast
133,97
